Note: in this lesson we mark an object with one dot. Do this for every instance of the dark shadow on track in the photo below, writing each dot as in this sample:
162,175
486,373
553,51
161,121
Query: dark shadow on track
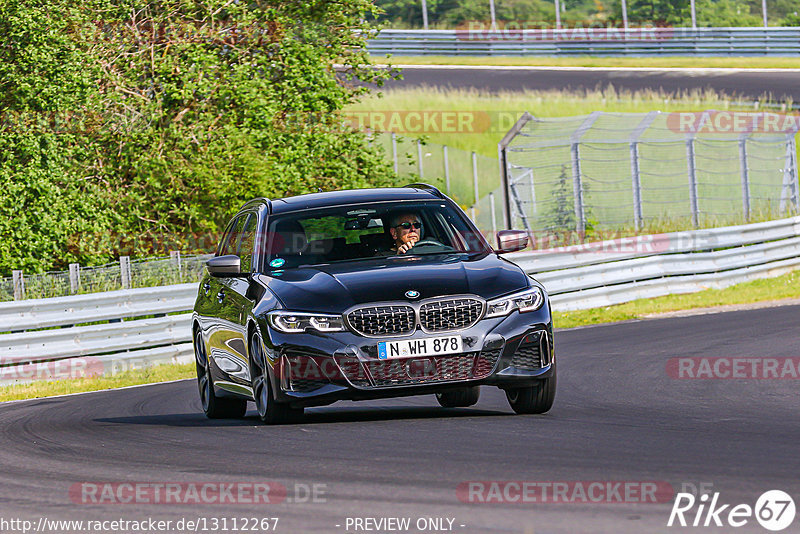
341,415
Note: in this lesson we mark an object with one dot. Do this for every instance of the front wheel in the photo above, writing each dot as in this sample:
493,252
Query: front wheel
269,411
459,398
214,407
534,399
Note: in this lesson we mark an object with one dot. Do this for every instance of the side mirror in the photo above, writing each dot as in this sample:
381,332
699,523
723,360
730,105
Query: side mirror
221,266
511,240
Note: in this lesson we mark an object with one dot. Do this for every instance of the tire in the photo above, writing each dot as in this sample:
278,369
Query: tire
459,398
269,411
214,407
534,399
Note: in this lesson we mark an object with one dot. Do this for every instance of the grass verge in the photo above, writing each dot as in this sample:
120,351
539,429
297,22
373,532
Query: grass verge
159,373
496,112
763,290
591,61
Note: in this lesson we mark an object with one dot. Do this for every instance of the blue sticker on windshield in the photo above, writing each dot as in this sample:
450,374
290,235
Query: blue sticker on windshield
276,273
277,263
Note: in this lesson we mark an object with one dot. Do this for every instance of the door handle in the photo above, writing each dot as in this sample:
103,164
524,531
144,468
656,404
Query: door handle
220,296
206,288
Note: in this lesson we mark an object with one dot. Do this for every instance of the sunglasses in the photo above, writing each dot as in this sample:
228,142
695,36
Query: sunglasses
408,225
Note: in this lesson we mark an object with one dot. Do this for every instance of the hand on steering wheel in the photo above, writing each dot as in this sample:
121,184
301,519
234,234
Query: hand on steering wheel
429,243
405,247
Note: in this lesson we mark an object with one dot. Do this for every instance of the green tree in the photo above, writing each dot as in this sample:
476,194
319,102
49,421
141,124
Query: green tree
179,110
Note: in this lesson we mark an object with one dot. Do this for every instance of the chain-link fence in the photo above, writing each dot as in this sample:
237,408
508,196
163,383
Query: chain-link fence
464,176
125,274
656,171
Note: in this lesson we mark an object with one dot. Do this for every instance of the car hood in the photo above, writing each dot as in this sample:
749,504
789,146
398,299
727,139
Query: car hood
336,287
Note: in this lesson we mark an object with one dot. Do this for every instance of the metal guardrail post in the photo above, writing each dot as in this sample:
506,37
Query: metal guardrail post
74,278
745,177
125,271
691,167
446,170
19,285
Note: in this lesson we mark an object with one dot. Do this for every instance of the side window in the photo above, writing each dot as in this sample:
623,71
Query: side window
245,250
231,239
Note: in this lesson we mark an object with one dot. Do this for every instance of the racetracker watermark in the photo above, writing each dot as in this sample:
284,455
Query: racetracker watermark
534,30
733,122
733,368
14,369
176,493
565,492
612,242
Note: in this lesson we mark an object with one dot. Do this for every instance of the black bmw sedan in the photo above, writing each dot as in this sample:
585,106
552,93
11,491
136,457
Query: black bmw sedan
367,294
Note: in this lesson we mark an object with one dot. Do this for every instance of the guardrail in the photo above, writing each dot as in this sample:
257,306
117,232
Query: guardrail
621,270
588,41
146,326
48,338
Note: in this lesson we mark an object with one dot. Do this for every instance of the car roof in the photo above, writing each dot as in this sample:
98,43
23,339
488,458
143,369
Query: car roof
353,196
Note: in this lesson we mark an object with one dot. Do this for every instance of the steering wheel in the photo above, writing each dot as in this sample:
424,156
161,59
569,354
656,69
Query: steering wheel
428,243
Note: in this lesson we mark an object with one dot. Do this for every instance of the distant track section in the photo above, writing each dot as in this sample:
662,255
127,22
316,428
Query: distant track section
780,84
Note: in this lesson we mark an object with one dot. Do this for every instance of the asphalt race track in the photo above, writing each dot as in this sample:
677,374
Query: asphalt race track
618,417
744,84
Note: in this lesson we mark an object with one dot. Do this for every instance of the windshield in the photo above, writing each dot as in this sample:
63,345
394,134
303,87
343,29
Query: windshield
358,232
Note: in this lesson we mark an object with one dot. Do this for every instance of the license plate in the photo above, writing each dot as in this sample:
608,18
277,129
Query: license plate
429,346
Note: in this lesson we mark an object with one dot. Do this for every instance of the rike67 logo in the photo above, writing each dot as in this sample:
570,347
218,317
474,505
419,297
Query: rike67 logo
774,510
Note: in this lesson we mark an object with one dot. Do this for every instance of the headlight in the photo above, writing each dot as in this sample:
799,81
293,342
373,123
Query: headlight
524,301
297,322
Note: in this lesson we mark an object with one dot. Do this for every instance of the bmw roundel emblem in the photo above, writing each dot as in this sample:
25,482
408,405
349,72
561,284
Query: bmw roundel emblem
412,294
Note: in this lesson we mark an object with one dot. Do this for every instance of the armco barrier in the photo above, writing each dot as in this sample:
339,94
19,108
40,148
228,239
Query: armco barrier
599,274
588,41
585,276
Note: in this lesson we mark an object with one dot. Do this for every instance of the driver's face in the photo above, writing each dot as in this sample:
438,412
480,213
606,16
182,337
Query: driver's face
405,235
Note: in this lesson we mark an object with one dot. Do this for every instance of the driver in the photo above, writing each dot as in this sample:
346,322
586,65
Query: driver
406,230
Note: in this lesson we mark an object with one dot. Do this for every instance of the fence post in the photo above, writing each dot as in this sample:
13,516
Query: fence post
577,186
691,169
745,177
475,175
796,181
637,186
789,190
394,151
636,179
502,152
175,258
494,222
125,271
533,192
419,158
19,285
446,170
577,189
74,278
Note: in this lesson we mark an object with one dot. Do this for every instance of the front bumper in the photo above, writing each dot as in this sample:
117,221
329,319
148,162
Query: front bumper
316,369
